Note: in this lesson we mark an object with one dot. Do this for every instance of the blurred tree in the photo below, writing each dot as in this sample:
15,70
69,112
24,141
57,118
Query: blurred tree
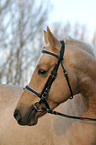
94,39
76,31
19,23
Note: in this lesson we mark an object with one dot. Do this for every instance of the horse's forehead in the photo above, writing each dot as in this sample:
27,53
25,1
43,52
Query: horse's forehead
46,60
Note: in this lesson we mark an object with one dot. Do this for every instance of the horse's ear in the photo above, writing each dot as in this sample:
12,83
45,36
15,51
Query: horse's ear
52,40
46,37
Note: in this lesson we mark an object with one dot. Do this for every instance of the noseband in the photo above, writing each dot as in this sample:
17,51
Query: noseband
43,96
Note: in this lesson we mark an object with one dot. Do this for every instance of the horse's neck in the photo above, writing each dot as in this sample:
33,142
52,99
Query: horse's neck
87,82
77,106
90,94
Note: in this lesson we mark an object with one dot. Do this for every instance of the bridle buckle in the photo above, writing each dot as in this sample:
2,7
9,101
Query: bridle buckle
36,108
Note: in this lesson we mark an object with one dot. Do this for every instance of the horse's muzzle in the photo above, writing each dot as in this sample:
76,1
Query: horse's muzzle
29,119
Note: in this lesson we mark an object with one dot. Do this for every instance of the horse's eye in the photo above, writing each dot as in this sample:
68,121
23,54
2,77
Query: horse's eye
42,72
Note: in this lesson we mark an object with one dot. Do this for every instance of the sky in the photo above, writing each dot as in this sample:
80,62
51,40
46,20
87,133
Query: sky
81,11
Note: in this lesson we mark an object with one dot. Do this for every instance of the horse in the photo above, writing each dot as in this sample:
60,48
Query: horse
44,133
47,90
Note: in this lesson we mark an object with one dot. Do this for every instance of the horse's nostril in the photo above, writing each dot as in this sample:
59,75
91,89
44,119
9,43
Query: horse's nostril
17,115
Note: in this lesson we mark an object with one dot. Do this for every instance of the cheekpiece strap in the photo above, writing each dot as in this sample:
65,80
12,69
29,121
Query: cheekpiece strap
62,50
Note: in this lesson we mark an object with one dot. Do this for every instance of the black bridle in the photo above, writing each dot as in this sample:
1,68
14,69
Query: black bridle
43,96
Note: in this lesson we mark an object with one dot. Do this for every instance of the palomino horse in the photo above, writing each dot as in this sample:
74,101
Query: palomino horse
80,63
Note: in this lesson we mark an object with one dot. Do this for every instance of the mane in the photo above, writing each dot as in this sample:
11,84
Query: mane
82,45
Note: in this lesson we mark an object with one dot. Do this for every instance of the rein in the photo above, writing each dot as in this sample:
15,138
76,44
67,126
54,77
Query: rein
43,96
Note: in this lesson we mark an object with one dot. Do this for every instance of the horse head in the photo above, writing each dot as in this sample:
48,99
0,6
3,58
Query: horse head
26,112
